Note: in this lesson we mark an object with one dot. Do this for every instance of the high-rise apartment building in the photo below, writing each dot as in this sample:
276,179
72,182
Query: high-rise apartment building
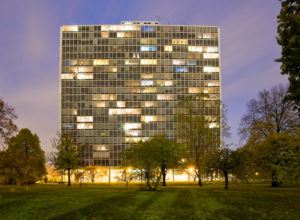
121,83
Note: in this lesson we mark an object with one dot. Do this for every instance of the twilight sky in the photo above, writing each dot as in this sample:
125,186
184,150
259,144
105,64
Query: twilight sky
29,49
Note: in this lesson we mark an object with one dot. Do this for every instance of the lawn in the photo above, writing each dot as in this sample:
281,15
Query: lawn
172,202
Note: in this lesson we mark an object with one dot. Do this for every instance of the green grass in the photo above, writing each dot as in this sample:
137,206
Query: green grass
173,202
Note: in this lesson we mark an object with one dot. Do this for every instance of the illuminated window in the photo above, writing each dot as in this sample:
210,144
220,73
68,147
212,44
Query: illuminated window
100,104
164,97
120,34
120,104
134,90
119,27
124,111
101,62
207,35
100,147
132,139
211,49
146,75
212,84
147,82
133,133
74,112
168,48
179,41
70,28
194,90
131,62
149,90
104,97
210,69
148,118
112,69
85,76
85,69
148,104
148,62
178,62
210,55
195,49
104,34
148,48
213,125
100,154
84,118
147,28
181,69
67,76
148,41
84,126
164,82
130,126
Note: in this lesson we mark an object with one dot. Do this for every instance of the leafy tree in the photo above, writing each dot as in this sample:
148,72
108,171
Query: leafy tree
91,170
225,160
7,125
268,114
199,132
278,158
153,157
66,157
289,39
23,162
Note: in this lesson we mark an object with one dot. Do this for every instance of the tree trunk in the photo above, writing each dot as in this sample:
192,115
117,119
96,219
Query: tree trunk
69,177
200,182
275,182
164,173
226,179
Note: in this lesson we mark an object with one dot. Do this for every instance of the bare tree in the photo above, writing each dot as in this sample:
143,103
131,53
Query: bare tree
269,113
198,131
7,125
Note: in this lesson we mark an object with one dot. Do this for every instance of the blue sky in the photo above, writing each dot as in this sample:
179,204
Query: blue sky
29,49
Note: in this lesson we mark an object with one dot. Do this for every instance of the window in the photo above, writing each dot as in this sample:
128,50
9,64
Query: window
148,41
179,41
85,76
104,97
84,126
178,62
67,76
147,28
211,49
149,90
120,104
100,147
85,69
168,48
147,82
210,69
119,27
164,82
70,28
146,75
132,139
148,104
131,62
100,104
210,55
104,34
120,34
148,48
130,126
148,62
194,90
124,111
213,125
212,84
101,62
164,97
148,118
195,49
133,133
84,118
181,69
191,62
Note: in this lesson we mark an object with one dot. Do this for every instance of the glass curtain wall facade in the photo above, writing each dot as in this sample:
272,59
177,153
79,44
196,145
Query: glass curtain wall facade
120,84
